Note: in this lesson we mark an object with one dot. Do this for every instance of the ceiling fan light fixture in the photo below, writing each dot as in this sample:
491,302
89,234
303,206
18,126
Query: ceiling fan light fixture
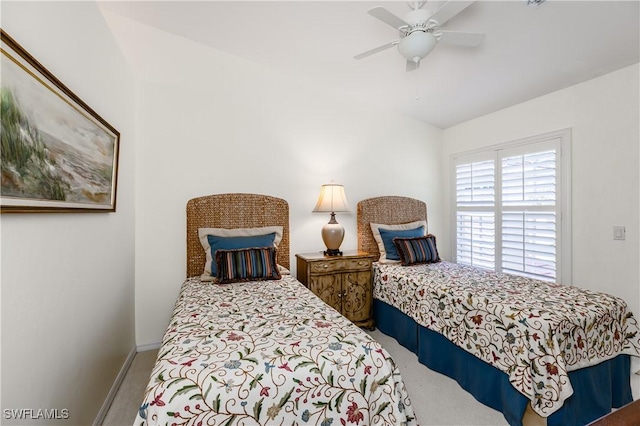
417,45
420,30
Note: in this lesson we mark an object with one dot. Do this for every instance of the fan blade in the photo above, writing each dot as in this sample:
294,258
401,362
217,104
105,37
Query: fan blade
449,10
459,38
387,17
376,50
412,65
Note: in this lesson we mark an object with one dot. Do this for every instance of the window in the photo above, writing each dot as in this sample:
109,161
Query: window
512,207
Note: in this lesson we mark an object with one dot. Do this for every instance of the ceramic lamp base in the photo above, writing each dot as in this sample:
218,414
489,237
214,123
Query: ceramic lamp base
332,235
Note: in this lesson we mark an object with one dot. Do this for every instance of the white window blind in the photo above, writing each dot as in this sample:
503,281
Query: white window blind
475,183
529,212
509,202
476,239
475,217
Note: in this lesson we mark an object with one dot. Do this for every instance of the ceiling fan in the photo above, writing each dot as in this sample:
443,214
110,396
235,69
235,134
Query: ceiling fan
420,31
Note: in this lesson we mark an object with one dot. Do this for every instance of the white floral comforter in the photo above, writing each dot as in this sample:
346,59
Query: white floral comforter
532,330
269,353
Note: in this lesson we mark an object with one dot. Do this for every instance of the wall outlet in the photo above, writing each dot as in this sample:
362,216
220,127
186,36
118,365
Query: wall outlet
618,232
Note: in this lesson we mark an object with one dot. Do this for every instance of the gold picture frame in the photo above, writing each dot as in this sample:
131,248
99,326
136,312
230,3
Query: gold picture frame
57,154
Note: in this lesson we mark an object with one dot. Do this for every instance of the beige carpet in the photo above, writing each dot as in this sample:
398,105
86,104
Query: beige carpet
125,405
436,399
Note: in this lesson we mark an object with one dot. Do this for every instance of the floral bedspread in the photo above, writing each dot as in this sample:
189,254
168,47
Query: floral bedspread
269,353
532,330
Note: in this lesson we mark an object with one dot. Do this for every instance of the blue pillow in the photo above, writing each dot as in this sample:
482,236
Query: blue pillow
230,243
388,235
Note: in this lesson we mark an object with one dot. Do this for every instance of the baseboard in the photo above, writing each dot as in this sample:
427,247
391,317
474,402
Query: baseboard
149,346
114,388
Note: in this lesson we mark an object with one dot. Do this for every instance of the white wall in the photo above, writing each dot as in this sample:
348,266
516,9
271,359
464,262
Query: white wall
604,117
212,123
68,279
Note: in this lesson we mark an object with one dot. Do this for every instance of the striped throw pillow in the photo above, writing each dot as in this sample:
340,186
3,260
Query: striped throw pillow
247,264
417,250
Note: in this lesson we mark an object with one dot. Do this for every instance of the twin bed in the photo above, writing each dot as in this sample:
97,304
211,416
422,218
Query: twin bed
264,352
534,351
263,349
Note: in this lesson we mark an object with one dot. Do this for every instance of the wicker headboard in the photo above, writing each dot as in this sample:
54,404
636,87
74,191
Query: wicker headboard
390,210
234,211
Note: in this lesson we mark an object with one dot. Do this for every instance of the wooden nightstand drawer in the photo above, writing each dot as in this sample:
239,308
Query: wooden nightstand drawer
359,264
330,266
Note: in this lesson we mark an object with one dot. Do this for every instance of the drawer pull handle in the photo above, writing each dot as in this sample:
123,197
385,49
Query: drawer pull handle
326,266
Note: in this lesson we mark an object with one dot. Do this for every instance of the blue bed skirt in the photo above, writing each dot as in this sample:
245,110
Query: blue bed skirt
596,389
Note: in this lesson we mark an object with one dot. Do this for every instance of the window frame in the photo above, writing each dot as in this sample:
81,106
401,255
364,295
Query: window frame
562,140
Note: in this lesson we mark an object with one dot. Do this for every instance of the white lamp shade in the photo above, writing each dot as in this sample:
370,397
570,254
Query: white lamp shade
332,199
417,45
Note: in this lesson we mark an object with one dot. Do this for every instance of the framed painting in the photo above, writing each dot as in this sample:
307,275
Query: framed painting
58,155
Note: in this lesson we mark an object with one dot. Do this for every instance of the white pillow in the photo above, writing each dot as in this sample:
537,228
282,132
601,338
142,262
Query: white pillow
237,232
402,226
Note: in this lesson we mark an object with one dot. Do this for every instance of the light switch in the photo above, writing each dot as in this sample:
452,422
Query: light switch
618,233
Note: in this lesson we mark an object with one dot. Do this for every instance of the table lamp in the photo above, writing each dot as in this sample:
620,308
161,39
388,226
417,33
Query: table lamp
332,199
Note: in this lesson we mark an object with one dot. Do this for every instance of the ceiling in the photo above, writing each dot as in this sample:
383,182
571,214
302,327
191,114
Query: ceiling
528,51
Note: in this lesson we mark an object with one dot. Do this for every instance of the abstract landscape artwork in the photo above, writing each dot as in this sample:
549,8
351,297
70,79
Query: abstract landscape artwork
58,155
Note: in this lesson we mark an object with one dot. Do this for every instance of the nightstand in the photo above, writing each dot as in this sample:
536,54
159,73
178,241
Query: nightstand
343,282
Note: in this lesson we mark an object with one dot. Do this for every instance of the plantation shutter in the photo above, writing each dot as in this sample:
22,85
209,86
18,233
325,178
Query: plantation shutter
508,208
529,213
475,213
